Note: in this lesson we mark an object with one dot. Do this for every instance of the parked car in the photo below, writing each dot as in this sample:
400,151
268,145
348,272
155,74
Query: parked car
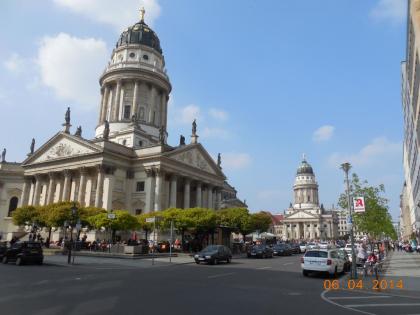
3,248
322,260
24,252
311,246
262,251
323,245
345,257
295,248
302,247
348,248
213,254
282,250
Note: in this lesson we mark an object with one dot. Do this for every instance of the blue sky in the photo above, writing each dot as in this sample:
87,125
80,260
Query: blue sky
267,80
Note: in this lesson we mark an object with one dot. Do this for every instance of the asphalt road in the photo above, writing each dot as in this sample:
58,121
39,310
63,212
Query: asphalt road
246,286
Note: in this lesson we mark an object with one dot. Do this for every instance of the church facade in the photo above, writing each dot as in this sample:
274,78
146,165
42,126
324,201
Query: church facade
129,164
306,218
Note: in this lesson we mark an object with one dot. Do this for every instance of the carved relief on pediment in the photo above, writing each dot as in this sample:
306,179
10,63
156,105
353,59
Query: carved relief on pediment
195,159
63,148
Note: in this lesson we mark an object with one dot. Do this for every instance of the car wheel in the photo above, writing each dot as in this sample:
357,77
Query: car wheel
5,260
197,262
305,273
19,261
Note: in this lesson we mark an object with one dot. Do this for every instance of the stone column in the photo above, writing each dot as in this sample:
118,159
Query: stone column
88,193
82,186
37,192
158,190
150,191
199,195
104,104
108,188
187,191
134,105
31,193
99,186
25,193
173,193
210,197
218,199
129,189
51,189
66,185
298,230
117,101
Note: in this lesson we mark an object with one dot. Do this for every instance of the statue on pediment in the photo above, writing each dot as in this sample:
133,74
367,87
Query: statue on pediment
32,148
106,130
3,155
67,116
78,132
219,160
181,140
194,127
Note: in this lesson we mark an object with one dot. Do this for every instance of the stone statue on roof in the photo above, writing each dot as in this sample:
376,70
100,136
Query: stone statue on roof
32,148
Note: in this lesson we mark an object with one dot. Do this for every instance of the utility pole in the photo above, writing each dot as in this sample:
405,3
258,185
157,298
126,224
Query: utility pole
346,167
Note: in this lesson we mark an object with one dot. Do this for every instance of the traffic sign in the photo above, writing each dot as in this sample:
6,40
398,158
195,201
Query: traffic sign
359,204
150,220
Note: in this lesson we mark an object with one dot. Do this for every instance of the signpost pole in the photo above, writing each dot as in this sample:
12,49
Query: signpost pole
171,241
154,241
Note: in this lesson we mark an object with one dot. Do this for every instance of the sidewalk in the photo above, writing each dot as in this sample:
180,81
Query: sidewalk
402,264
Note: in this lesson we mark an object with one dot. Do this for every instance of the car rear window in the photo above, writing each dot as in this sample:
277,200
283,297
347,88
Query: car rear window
319,254
33,245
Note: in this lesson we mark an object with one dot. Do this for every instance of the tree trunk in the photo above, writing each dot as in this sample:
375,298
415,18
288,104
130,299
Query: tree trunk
47,244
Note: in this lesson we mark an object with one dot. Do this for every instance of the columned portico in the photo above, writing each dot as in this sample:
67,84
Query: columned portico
199,195
173,193
187,192
99,186
82,186
209,196
150,190
66,185
158,190
25,193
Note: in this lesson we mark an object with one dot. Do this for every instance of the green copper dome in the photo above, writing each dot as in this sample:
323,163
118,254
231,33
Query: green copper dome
140,33
305,168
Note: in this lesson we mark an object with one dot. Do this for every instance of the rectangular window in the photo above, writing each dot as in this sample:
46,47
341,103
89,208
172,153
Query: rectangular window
140,186
127,112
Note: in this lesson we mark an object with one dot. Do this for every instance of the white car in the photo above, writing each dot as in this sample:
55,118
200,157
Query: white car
322,260
302,247
348,248
323,245
311,246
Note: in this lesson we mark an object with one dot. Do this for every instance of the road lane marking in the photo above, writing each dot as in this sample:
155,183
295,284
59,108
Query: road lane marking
262,268
289,263
358,297
382,305
221,275
342,306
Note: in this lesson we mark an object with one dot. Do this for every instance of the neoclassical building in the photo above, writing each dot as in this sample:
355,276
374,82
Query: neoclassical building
306,218
129,164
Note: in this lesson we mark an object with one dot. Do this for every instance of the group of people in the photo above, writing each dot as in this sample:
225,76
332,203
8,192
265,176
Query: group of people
408,246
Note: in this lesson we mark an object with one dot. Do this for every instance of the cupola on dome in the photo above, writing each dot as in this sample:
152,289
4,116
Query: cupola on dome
305,168
141,34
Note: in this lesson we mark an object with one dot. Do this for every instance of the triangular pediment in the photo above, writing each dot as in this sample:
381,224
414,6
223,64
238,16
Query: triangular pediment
301,215
196,156
62,146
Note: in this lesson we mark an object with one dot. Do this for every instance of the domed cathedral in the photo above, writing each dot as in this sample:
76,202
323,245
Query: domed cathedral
129,164
135,89
305,218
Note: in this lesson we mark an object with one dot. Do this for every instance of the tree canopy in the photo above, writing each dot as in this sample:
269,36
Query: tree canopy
376,220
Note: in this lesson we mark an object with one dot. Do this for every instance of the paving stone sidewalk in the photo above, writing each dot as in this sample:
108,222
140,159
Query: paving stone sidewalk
402,264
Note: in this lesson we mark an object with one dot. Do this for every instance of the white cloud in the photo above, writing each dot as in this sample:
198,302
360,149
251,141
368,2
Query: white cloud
378,151
323,133
185,115
15,64
391,10
71,67
235,161
219,133
119,13
218,114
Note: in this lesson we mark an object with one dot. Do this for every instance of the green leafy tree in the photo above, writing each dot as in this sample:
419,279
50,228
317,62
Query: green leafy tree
123,221
236,219
260,221
28,215
376,220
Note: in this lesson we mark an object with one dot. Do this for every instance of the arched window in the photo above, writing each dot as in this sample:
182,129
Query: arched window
12,205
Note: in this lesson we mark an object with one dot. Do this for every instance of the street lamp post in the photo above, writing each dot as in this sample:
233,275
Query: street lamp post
73,217
346,167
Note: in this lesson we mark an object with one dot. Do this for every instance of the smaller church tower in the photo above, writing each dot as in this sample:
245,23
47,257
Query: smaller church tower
305,187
